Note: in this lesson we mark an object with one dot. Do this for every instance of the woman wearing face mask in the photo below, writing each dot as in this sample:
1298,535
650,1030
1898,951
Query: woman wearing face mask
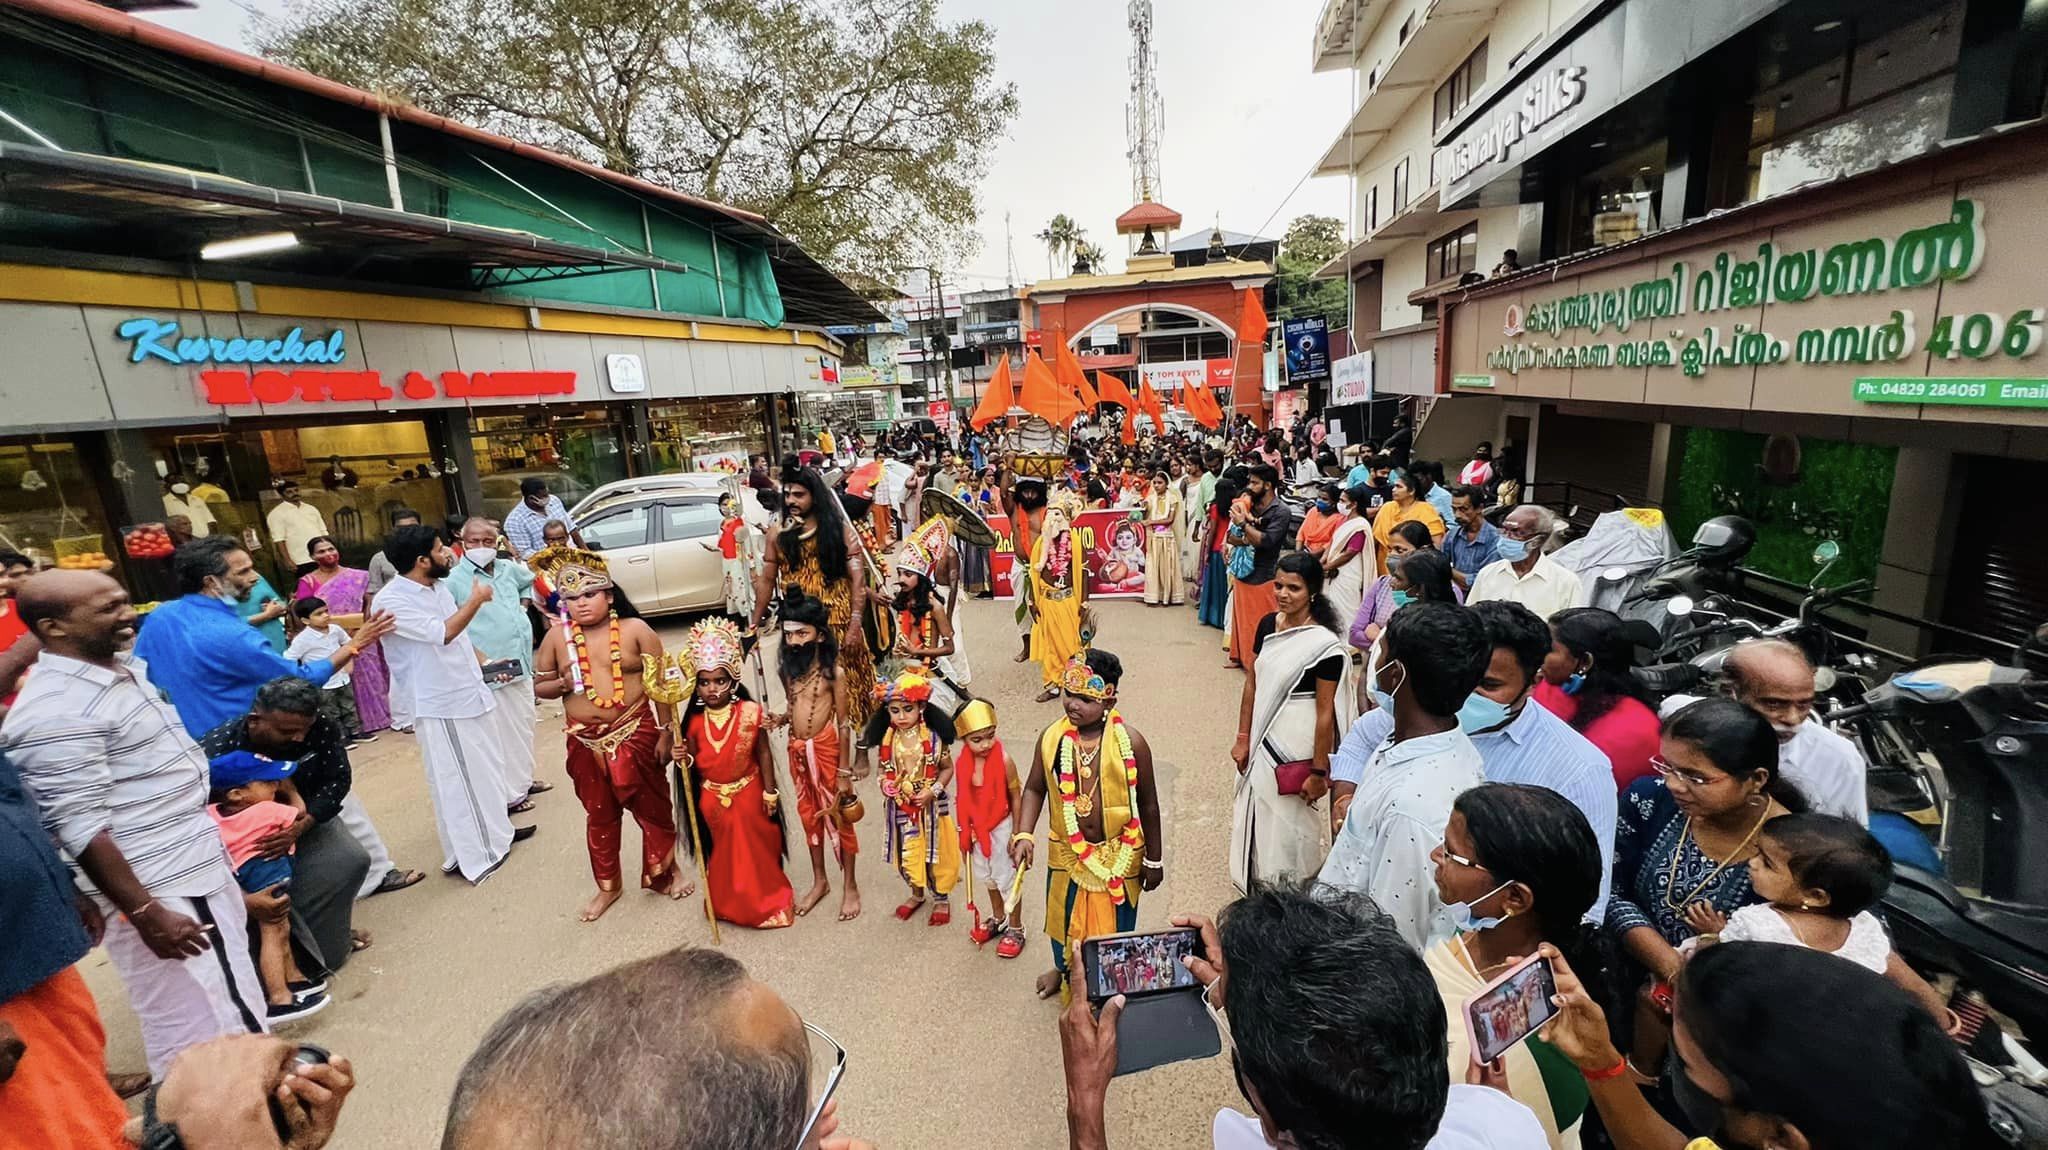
1397,588
1320,521
1286,729
1587,683
1518,867
1407,506
1776,1046
1683,844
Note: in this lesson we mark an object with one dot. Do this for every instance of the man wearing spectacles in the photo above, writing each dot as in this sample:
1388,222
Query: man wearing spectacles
1774,678
1522,572
577,1066
1335,1032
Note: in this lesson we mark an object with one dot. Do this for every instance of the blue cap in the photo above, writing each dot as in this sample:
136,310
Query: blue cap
238,767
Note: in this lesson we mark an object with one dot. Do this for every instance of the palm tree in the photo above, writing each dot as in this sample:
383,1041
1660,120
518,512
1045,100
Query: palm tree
1059,237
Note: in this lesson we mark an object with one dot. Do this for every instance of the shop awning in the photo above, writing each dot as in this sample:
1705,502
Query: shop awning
151,211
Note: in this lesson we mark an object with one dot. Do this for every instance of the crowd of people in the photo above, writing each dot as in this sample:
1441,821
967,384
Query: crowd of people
1444,767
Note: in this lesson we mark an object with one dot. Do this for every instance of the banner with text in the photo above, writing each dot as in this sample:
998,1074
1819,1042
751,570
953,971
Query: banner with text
1112,552
1351,379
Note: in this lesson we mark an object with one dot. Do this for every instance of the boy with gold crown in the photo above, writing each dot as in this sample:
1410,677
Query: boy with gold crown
1059,584
913,738
1106,842
732,780
984,788
617,738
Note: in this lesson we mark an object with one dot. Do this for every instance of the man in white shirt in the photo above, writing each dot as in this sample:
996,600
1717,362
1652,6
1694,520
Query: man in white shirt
1435,656
1523,573
122,790
294,524
180,501
435,667
1773,678
1335,1030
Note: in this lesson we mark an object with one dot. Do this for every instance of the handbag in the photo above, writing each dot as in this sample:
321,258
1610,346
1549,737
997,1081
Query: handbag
1291,776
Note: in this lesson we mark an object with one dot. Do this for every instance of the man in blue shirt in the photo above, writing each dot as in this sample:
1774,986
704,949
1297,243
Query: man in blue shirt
1471,542
536,507
1519,741
502,634
205,656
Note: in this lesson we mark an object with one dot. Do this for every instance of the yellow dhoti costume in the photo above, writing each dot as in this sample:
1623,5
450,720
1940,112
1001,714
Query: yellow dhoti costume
1091,888
1057,589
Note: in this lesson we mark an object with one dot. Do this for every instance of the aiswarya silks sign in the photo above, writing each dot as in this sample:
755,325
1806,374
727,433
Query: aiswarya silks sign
158,340
1948,251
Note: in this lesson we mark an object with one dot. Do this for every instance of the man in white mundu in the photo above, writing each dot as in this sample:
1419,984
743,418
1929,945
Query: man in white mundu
437,670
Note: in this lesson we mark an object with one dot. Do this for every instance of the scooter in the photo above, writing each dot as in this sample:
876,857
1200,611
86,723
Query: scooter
1986,919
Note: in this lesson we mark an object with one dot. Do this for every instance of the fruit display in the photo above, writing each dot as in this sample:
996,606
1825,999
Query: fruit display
148,541
85,561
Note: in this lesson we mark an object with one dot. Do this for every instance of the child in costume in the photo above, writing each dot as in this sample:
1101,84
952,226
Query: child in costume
914,739
984,786
737,556
1058,588
819,732
732,780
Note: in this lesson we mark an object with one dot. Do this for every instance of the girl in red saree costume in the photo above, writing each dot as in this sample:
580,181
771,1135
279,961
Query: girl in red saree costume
731,778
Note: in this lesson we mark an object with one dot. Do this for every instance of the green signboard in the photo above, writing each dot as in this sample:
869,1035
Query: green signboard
1480,380
1964,392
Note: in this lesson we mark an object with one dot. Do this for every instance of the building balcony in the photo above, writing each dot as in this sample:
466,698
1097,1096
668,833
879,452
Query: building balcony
1338,28
1420,220
1437,45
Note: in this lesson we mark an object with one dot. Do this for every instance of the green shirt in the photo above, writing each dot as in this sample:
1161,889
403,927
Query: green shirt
500,629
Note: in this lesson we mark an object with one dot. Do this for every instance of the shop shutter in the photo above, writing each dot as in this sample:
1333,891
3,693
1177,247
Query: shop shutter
1597,457
1998,582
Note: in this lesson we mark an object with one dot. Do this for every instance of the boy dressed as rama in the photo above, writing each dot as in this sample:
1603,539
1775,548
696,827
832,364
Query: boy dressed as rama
1106,842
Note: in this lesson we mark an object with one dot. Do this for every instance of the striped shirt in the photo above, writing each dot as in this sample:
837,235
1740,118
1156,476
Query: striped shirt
1536,748
100,751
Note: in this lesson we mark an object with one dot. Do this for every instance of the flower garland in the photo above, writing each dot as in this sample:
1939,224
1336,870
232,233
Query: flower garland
908,625
1114,857
904,796
580,674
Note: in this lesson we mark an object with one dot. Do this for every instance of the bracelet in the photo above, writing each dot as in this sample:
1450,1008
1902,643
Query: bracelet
1154,864
131,915
1023,837
1615,1071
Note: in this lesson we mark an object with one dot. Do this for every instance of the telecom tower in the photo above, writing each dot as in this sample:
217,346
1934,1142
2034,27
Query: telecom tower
1145,115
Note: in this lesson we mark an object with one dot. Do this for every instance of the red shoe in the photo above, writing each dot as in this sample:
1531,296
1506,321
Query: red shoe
908,908
1012,944
942,913
983,930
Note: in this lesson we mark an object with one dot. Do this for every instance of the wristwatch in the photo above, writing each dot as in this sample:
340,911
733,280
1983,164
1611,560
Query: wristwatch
157,1134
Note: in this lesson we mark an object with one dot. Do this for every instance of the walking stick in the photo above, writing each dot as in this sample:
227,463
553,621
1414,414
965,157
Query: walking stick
671,682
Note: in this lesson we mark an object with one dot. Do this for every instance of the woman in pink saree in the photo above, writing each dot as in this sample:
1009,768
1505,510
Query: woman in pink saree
342,588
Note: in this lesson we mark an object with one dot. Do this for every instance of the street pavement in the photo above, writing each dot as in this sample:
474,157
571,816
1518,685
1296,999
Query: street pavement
947,1046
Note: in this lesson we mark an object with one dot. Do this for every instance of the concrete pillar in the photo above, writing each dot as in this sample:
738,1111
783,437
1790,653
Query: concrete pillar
1912,571
1660,463
448,430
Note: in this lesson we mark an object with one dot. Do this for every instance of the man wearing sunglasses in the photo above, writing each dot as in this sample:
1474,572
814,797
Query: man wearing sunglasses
577,1066
1334,1030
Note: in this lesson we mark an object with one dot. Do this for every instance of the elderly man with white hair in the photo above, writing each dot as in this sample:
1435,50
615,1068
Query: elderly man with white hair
1523,573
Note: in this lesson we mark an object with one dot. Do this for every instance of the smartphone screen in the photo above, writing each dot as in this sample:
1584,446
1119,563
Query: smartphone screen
1133,964
1511,1009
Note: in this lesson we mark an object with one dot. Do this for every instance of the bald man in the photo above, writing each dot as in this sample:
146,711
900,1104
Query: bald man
1774,678
577,1067
502,635
122,789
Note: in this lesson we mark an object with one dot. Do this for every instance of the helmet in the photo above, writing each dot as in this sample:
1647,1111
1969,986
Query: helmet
1724,540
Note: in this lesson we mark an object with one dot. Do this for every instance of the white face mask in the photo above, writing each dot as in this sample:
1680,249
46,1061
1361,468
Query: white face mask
481,556
181,489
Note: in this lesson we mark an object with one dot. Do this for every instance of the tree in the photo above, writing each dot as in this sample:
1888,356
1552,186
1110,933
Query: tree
1059,236
1088,258
858,127
1309,243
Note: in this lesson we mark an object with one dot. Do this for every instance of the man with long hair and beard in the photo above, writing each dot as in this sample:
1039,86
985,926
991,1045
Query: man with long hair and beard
819,733
814,550
618,739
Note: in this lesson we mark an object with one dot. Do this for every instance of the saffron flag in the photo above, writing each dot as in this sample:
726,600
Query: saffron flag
1252,323
1202,405
1148,402
1067,368
1042,395
1112,390
996,400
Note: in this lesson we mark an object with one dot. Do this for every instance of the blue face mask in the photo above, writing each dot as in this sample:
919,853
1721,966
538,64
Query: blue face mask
1461,913
1480,713
1384,700
1403,598
1512,550
1325,506
1572,683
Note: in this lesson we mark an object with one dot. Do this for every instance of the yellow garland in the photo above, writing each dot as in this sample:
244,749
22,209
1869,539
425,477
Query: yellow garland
1114,857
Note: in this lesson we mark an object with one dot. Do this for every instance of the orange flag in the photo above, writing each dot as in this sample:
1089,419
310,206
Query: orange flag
1067,367
1042,395
1202,405
996,399
1148,402
1130,432
1112,390
1251,323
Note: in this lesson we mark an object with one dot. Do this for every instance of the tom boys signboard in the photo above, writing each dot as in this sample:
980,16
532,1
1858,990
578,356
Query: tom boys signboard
1112,551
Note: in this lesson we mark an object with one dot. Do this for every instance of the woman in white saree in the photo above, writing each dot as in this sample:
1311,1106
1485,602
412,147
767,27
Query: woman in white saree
1348,568
1287,727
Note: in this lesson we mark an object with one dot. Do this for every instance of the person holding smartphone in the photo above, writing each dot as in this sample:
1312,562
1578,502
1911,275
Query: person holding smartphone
1518,867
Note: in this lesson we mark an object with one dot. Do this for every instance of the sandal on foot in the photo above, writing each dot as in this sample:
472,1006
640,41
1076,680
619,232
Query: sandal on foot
908,908
539,788
396,879
942,913
983,930
520,807
1012,943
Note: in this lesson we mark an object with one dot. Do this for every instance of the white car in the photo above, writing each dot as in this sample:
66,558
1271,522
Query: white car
659,535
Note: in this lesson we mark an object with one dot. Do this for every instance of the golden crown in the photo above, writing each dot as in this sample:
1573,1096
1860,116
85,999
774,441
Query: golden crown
1080,679
975,717
573,570
716,643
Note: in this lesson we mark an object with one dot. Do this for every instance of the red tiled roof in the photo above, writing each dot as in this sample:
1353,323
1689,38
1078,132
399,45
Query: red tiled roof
1147,215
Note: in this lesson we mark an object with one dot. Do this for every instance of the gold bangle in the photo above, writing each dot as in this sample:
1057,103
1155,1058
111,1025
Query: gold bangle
1023,837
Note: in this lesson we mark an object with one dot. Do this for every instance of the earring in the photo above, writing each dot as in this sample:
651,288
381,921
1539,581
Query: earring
1757,800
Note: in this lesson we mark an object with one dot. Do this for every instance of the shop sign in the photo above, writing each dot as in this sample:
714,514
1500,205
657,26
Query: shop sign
1102,335
1543,99
941,413
1308,349
158,339
1176,375
1630,326
1222,373
624,373
1286,403
1470,381
1957,392
318,385
867,375
1351,379
1034,338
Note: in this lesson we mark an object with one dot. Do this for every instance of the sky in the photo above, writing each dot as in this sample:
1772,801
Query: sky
1245,118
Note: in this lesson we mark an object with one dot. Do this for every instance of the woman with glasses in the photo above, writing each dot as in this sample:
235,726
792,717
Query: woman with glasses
1518,867
1683,845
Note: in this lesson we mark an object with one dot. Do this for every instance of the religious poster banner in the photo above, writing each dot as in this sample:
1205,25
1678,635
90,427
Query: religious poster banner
1112,547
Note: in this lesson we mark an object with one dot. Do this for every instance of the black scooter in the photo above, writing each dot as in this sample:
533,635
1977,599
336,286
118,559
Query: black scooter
1986,920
